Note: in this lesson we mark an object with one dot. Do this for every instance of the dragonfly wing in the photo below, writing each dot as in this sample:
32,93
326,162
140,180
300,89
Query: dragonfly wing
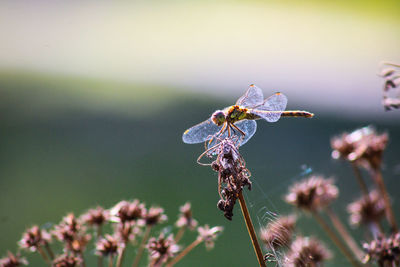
272,107
253,97
249,127
200,132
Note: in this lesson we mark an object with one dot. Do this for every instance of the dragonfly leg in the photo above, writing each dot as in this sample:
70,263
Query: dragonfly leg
223,129
240,131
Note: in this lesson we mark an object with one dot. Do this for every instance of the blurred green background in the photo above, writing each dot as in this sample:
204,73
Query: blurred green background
94,99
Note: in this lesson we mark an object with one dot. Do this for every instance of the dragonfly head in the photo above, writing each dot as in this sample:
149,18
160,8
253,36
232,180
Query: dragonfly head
218,117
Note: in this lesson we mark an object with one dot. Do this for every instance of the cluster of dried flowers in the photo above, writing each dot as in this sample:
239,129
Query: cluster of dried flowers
363,149
391,74
129,221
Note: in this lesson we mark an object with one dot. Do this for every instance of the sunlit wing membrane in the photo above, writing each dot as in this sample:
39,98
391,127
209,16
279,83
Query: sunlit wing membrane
272,107
200,132
253,97
249,127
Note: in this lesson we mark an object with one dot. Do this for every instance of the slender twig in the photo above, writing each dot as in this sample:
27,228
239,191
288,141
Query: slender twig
44,256
49,251
359,178
250,229
179,234
100,256
184,252
110,260
335,239
121,255
377,177
141,246
344,233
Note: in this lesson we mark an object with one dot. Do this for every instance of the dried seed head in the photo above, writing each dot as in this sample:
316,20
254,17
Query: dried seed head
126,232
363,146
385,251
107,246
155,215
307,251
161,249
312,194
97,216
185,217
12,260
128,211
66,260
367,209
278,233
34,238
209,235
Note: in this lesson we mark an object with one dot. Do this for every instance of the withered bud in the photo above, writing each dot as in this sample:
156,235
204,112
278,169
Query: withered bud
66,260
209,235
33,238
278,233
128,211
369,208
161,249
155,215
185,217
313,193
97,216
384,251
307,251
107,246
12,260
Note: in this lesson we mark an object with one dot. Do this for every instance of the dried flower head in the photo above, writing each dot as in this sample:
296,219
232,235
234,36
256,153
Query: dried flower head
209,235
385,251
34,238
161,249
278,233
12,260
67,260
128,211
97,216
313,193
307,251
370,208
107,246
155,215
185,217
126,232
363,146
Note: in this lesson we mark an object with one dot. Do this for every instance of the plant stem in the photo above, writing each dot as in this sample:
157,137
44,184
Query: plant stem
335,239
141,246
44,256
184,252
121,255
49,251
344,233
377,177
250,229
360,179
100,256
110,261
180,234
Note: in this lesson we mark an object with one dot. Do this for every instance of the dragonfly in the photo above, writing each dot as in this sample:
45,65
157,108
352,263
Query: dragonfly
239,120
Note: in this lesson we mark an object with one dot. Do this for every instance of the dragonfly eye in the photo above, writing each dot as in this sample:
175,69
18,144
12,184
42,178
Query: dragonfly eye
218,117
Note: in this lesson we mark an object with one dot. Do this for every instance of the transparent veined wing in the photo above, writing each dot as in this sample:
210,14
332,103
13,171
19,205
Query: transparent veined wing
272,107
200,132
249,127
253,97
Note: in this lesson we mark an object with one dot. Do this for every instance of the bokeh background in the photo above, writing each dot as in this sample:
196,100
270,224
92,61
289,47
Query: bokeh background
94,98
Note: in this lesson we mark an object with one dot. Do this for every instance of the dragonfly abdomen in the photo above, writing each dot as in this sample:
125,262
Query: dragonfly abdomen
297,113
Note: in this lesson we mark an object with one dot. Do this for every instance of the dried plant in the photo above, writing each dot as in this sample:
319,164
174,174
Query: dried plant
390,72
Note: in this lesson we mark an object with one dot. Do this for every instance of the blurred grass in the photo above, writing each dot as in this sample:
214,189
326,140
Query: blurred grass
68,144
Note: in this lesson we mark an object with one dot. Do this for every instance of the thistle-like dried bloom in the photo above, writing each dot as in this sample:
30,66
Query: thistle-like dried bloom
209,235
12,260
155,215
363,146
278,233
367,209
128,211
161,249
307,251
34,238
97,216
385,251
312,194
66,260
107,246
185,217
